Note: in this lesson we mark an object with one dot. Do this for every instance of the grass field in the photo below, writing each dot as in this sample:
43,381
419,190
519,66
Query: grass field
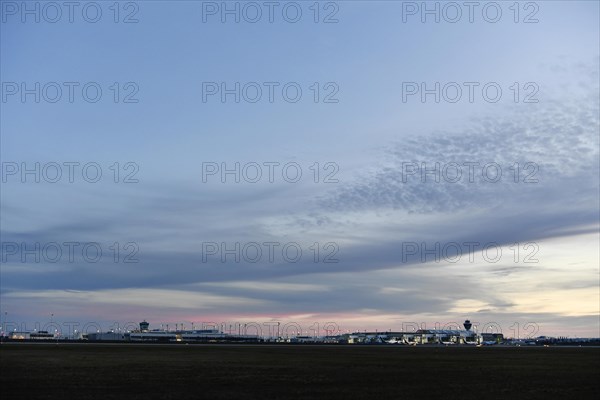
124,371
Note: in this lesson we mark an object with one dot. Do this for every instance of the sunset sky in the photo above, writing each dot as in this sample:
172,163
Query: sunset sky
373,209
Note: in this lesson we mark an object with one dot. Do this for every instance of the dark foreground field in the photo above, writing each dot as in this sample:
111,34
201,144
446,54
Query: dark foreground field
44,371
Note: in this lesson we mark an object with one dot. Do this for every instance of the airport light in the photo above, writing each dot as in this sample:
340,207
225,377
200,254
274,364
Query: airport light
4,325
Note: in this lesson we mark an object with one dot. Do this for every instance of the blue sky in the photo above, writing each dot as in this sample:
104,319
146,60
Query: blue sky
370,214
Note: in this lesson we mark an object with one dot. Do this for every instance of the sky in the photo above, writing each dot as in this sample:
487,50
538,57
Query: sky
355,165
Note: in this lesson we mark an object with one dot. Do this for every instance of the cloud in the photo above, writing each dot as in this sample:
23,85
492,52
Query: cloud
146,298
554,143
369,217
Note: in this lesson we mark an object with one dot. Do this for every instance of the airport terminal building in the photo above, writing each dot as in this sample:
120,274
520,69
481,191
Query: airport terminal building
144,334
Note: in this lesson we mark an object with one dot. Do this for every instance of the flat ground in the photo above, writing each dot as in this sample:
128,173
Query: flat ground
125,371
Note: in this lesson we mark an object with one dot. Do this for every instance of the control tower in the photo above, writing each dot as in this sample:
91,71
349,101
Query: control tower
467,325
144,326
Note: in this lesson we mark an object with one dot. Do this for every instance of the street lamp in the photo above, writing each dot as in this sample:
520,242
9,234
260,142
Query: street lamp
3,328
